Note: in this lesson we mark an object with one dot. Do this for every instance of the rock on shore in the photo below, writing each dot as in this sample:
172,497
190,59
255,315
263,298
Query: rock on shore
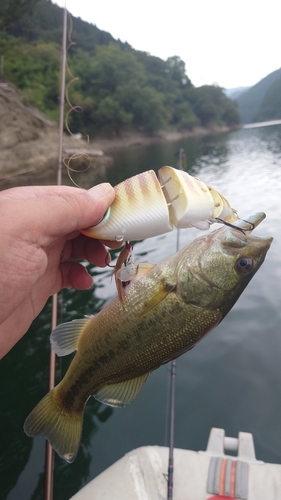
29,144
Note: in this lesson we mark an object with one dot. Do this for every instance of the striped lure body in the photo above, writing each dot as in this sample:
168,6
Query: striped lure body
146,206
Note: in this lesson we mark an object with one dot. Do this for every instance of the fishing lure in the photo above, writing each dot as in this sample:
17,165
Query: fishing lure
125,269
146,206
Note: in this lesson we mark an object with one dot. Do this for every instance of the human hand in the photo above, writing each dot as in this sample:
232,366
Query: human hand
39,235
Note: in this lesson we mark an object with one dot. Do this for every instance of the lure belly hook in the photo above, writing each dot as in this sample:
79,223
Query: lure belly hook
146,206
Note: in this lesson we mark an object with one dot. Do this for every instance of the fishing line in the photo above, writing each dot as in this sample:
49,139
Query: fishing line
73,108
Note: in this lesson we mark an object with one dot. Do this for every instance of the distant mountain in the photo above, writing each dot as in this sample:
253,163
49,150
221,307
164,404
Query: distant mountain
270,108
236,92
262,102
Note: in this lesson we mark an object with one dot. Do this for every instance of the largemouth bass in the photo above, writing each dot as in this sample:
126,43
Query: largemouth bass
164,313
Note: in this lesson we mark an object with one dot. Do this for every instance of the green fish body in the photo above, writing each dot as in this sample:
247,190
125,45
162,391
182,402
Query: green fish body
164,313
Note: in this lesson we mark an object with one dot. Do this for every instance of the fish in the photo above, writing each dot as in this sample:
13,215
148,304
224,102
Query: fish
165,312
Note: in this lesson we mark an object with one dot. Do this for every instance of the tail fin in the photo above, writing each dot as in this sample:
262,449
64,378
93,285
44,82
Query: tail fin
56,423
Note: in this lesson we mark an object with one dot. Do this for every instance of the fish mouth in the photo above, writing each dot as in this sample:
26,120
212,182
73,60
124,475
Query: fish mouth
234,239
262,243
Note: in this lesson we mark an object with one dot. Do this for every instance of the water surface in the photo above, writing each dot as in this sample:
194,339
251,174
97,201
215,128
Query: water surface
230,380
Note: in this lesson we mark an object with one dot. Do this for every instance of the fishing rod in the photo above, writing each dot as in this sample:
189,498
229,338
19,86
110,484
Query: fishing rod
170,485
49,455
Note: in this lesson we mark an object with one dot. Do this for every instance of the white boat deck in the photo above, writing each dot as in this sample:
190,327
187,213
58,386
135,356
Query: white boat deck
142,474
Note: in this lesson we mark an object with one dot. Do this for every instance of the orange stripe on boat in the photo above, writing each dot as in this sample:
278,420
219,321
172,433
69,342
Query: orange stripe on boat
222,479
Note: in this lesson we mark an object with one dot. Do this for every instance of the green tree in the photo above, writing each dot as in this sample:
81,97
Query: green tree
110,116
176,70
117,82
109,68
203,105
230,113
184,116
35,69
212,106
13,10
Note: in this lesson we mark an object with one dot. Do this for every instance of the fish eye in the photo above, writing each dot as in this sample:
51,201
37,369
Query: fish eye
244,265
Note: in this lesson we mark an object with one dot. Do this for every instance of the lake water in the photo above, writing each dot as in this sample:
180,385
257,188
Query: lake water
230,380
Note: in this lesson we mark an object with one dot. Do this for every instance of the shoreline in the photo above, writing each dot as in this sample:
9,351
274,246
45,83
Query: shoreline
33,159
135,139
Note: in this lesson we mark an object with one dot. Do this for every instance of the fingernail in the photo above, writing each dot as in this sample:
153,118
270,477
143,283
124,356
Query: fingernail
101,190
108,258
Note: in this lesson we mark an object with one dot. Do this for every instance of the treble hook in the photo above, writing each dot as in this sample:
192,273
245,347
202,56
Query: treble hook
242,229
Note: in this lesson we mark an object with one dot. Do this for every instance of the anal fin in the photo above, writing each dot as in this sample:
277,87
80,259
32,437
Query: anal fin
122,393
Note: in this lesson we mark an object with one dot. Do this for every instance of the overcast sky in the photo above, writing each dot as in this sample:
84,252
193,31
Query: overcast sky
231,43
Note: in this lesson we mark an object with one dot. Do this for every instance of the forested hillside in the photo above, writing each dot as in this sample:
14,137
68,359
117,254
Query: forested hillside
262,101
270,107
118,87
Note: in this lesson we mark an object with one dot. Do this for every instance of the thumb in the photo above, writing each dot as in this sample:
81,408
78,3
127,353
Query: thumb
80,209
56,211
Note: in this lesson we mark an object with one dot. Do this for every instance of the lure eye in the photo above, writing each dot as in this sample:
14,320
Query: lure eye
244,265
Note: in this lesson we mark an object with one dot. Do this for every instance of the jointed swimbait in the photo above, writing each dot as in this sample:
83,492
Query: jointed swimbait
145,206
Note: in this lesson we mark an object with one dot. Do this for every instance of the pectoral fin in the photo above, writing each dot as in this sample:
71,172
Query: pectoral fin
160,293
64,337
121,394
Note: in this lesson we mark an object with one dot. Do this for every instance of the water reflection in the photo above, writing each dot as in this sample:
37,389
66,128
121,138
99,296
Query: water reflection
25,370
